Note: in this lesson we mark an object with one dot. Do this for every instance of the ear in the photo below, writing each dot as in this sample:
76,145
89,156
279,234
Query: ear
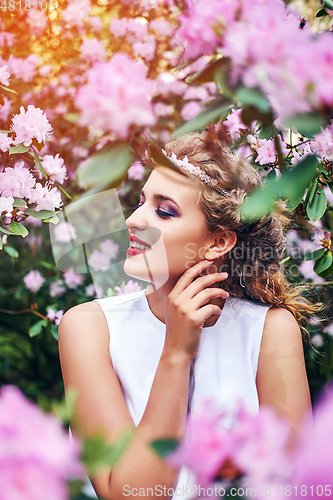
222,244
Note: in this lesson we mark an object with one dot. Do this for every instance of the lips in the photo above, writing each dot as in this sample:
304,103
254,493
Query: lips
137,246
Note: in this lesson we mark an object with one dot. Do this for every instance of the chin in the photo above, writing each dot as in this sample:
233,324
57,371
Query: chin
157,272
137,269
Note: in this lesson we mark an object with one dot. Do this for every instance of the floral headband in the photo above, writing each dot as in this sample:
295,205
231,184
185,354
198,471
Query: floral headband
196,171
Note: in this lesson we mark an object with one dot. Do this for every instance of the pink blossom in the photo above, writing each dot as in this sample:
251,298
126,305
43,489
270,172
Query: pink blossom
161,109
80,152
57,288
46,199
23,69
306,268
92,50
322,144
55,168
110,249
55,315
95,23
329,329
190,110
45,70
136,171
200,93
76,12
7,38
29,125
317,340
129,287
33,222
266,152
118,27
33,281
5,142
36,455
5,109
321,237
93,290
234,123
98,260
329,195
6,204
4,75
136,31
116,96
64,232
162,27
166,83
17,181
37,20
73,280
145,49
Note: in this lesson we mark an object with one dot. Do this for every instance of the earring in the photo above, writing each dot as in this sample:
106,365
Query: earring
240,280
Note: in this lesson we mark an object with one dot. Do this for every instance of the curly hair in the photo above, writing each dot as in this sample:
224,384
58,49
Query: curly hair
254,264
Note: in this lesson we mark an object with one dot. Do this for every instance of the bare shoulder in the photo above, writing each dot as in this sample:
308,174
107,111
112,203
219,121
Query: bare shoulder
281,329
84,319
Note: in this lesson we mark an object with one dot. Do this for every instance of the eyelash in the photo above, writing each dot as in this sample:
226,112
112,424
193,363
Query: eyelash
161,213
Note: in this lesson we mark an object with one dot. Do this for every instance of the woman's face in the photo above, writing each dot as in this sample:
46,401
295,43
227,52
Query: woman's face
171,222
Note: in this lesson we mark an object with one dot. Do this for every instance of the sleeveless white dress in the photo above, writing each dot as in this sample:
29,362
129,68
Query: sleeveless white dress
225,368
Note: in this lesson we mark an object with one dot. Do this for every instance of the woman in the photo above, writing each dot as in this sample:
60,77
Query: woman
196,332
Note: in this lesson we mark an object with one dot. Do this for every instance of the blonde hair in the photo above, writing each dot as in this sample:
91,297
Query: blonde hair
260,245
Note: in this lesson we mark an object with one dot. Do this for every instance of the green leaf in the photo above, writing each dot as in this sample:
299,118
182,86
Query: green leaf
41,214
311,191
54,219
323,263
321,13
8,89
108,166
72,117
315,255
289,186
307,124
325,274
216,111
6,131
4,230
17,228
19,202
208,73
316,209
11,251
64,192
36,328
64,409
19,149
266,132
164,446
39,165
97,455
328,4
54,331
253,97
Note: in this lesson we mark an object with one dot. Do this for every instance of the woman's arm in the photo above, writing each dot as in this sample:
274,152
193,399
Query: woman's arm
281,377
101,407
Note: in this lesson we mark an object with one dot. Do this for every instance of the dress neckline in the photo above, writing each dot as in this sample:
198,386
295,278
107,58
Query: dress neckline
158,321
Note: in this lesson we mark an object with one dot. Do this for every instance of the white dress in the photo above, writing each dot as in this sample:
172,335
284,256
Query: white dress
225,368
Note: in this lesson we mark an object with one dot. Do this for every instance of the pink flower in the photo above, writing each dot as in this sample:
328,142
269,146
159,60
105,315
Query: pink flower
136,171
55,315
329,195
129,287
162,27
45,70
98,260
161,109
36,455
46,199
76,12
94,290
37,21
73,280
321,238
29,125
306,268
266,152
116,96
322,144
92,50
4,75
55,168
190,110
329,329
110,249
95,23
7,38
6,204
33,281
200,93
64,232
234,123
57,288
118,27
5,109
23,69
145,49
17,181
136,30
5,142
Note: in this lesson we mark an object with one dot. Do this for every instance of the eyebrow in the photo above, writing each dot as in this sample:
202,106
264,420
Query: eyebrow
161,197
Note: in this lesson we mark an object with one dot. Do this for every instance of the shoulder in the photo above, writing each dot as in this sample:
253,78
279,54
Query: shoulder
281,329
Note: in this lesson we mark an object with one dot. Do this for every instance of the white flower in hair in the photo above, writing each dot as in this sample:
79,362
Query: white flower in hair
186,166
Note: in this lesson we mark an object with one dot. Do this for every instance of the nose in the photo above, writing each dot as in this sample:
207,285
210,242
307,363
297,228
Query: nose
137,220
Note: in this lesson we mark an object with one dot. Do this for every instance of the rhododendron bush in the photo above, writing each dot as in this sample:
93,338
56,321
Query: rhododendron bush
90,91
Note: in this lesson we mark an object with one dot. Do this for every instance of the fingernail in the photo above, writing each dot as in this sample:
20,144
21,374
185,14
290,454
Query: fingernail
225,275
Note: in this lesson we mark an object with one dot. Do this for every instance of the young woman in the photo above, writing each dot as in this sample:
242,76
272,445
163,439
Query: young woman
146,359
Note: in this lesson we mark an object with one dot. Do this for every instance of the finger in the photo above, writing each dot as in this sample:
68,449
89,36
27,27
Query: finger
188,276
203,282
206,295
206,311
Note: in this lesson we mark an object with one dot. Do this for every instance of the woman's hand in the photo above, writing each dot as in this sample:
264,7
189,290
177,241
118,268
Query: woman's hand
187,309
